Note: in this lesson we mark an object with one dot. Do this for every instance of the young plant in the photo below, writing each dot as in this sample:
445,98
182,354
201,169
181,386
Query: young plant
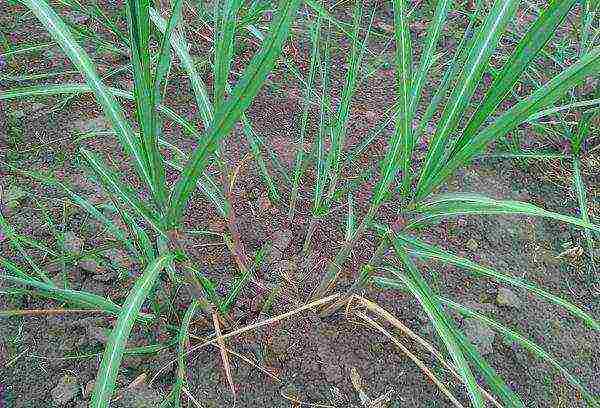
463,132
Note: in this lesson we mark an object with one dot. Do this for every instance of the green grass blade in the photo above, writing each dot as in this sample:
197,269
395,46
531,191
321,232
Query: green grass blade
524,55
399,154
112,182
148,254
207,185
588,16
531,346
466,42
544,96
583,209
338,133
324,126
423,249
363,145
243,94
164,58
496,383
440,319
350,218
83,203
73,297
452,204
528,344
138,19
526,156
225,25
180,46
14,241
61,34
209,188
254,143
113,353
483,46
427,58
182,347
308,91
584,126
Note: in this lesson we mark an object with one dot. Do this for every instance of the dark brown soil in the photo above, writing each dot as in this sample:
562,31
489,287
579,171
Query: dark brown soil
308,359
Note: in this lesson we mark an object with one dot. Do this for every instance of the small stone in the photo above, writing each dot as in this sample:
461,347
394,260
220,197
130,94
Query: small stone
279,344
65,390
93,331
291,391
89,265
140,396
510,343
89,387
72,242
70,343
96,124
36,107
480,335
133,362
507,298
126,84
100,334
385,27
264,204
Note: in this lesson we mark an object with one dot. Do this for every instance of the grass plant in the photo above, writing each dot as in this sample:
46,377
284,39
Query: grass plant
464,128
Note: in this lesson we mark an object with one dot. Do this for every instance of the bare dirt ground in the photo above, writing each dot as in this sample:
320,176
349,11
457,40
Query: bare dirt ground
51,360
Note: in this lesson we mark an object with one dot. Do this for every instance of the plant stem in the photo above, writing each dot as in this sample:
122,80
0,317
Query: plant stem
335,266
309,233
196,289
363,278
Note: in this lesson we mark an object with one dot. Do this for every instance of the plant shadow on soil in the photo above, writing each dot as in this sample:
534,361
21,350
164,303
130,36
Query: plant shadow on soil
310,358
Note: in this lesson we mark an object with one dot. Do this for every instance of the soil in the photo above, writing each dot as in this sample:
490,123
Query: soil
303,359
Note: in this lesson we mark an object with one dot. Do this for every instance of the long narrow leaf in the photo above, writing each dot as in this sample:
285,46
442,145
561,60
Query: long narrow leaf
338,133
299,161
526,343
198,87
225,31
61,34
426,61
423,249
452,204
583,208
243,94
527,50
544,96
484,45
429,302
124,192
138,19
113,353
399,153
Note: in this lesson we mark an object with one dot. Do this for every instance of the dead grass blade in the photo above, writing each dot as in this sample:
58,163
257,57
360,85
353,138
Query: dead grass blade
375,308
191,397
251,327
224,355
414,358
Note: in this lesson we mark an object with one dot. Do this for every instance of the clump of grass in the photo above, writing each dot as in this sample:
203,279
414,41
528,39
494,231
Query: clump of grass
463,131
